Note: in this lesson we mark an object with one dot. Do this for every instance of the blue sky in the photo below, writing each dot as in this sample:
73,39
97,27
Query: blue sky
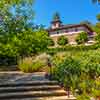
71,11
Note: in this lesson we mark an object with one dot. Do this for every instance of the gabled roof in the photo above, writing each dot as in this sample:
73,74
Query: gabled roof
70,26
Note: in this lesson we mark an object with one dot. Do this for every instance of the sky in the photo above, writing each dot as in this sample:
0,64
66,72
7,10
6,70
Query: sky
71,11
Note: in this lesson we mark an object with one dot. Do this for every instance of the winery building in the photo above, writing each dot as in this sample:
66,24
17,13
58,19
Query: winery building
57,29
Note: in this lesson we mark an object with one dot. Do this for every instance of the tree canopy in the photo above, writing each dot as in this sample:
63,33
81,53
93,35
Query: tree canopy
17,34
98,17
13,15
96,1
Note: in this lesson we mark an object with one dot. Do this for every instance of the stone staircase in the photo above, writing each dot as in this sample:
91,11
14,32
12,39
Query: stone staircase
34,88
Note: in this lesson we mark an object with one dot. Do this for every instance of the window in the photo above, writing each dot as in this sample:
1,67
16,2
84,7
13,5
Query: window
76,29
57,32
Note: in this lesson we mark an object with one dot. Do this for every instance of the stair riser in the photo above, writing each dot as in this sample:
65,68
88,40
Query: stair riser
34,99
26,84
30,95
30,89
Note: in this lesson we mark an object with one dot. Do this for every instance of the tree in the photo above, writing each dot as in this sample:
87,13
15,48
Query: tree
13,15
86,22
14,20
97,29
23,44
96,1
82,38
41,40
98,17
62,40
18,38
98,25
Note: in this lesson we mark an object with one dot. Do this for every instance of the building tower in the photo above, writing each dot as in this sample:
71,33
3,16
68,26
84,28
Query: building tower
56,23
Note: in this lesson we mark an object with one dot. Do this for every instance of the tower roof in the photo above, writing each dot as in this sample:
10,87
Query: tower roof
56,18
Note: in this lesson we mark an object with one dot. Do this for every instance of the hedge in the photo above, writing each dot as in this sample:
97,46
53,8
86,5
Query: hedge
52,51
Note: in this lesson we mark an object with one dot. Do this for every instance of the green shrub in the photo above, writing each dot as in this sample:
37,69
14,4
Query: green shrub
50,42
79,71
26,64
66,68
30,64
97,37
82,38
83,97
72,48
62,40
95,90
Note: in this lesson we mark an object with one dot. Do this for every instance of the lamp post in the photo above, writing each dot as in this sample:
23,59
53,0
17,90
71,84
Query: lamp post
67,86
50,68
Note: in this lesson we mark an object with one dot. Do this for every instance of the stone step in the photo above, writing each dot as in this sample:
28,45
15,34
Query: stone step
29,88
30,94
47,98
28,83
35,86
